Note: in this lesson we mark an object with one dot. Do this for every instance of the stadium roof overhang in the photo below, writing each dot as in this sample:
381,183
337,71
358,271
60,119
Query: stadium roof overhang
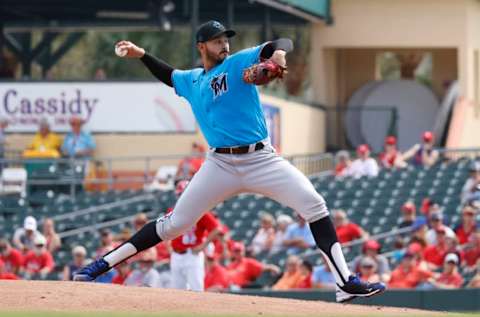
58,15
19,18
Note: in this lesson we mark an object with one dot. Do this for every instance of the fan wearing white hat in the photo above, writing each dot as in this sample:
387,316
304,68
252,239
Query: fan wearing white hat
449,278
23,238
79,260
39,261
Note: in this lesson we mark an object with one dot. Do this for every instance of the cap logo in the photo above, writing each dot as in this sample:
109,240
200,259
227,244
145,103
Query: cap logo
217,24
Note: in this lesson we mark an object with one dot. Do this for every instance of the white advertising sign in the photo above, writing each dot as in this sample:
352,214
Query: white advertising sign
106,106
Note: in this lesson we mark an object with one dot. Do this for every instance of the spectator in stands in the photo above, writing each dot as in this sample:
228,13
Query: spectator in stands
106,243
322,277
391,157
123,236
471,182
299,236
343,163
45,144
139,221
371,249
78,143
79,255
434,254
347,230
39,261
188,166
23,238
472,251
364,165
11,257
408,214
283,221
292,276
6,275
96,179
473,199
146,275
436,223
306,270
450,278
468,227
243,270
223,244
216,276
53,239
408,274
368,270
263,239
475,281
122,272
423,154
420,230
416,249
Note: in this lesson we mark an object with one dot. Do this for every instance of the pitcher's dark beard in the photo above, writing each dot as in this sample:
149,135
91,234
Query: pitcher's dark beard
216,59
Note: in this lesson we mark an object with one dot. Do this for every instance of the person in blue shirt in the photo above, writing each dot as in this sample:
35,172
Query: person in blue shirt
298,237
78,143
241,157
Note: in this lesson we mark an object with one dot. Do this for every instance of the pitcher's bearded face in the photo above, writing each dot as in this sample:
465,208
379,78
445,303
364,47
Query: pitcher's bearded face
216,50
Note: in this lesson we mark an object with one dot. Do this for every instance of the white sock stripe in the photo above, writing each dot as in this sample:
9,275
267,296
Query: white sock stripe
122,253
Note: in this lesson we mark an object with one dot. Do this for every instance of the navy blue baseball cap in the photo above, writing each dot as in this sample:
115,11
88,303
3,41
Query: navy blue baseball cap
211,30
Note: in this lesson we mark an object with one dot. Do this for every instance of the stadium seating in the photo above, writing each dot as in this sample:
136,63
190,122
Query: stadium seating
372,203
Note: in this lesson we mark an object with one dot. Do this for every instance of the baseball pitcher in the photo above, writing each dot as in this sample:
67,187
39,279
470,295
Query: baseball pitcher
225,101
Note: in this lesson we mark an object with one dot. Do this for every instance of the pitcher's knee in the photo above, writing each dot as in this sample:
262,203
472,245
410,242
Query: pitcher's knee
169,227
314,212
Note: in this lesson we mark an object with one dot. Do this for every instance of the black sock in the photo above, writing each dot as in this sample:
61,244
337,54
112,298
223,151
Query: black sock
326,238
144,239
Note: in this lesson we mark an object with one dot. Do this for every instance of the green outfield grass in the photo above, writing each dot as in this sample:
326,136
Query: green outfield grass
109,314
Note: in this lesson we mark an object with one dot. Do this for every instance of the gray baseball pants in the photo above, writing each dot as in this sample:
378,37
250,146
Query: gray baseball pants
224,175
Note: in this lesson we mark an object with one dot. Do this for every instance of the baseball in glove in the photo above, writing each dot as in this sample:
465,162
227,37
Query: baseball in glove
263,72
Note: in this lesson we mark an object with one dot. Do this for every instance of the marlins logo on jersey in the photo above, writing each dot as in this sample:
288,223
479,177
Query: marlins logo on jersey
219,85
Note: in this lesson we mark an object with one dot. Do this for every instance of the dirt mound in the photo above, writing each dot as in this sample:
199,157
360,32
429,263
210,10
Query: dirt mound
81,297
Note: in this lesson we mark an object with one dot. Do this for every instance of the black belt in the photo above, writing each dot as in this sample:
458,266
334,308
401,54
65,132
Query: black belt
239,149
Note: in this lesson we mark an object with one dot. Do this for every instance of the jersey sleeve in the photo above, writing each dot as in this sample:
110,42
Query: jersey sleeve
248,56
182,82
208,222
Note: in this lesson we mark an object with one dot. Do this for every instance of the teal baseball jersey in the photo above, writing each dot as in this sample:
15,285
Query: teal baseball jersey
227,109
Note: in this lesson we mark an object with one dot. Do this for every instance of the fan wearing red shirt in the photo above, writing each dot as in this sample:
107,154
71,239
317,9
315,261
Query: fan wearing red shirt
4,275
391,157
450,278
216,276
243,270
11,257
39,261
408,274
123,271
468,226
346,230
434,254
187,264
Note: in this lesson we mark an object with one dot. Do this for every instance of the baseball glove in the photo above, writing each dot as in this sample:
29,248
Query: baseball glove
263,72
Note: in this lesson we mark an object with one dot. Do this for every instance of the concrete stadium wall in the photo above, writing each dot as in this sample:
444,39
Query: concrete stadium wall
302,132
343,53
441,300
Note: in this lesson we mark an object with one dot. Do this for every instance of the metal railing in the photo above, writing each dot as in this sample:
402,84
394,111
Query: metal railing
71,173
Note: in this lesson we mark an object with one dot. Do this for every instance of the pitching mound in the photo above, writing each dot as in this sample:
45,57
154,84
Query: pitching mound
90,297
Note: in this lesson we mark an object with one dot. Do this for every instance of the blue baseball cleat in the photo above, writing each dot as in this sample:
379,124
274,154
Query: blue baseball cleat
91,271
355,288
